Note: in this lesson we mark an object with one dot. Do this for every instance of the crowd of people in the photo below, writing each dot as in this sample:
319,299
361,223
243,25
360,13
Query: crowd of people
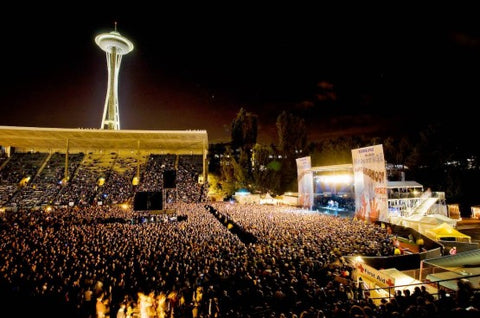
90,260
69,262
33,179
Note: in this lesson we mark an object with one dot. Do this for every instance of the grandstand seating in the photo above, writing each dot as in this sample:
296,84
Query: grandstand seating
95,178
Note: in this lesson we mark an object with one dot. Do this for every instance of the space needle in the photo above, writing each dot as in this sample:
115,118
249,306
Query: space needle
114,45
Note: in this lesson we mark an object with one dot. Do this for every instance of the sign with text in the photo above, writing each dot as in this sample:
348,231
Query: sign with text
381,279
370,182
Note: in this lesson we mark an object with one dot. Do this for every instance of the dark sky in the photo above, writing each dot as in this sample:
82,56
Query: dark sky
195,68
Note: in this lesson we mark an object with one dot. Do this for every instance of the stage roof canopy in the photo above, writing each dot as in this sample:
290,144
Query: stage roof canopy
82,140
345,167
403,184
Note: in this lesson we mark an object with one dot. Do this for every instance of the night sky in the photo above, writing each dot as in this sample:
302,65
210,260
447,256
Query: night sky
195,69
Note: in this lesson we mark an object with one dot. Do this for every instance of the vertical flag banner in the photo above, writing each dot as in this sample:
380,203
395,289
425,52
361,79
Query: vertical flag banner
370,181
305,182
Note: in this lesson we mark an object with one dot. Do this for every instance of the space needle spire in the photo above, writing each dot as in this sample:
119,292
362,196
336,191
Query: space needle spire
115,46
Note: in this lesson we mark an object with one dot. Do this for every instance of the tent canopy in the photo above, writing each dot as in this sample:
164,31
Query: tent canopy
403,185
433,219
445,230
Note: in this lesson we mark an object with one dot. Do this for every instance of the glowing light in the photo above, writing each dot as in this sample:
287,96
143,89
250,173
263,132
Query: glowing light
24,181
405,280
358,259
115,46
135,181
244,191
336,179
109,41
101,181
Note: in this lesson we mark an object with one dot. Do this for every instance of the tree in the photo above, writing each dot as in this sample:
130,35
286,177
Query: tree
333,151
244,137
227,173
266,170
244,130
397,152
292,133
292,137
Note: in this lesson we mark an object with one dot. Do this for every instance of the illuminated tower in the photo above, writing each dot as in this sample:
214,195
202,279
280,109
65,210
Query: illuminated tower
114,46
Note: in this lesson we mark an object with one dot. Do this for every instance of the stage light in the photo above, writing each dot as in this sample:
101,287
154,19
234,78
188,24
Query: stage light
336,179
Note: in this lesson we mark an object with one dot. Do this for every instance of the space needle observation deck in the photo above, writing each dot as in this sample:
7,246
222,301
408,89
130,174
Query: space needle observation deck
115,46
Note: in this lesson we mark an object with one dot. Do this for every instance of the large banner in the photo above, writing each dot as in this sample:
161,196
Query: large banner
370,181
380,278
305,182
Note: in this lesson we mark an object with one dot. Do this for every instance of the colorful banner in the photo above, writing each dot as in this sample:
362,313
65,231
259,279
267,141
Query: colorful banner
305,182
370,181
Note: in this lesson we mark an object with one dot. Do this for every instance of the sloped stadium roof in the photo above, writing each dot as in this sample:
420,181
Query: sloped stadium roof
82,140
462,265
464,259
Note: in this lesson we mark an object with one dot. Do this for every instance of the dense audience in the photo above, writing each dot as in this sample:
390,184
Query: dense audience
88,259
34,179
72,263
18,170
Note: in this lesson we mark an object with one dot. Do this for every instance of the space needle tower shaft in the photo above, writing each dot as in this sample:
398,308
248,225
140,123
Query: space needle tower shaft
115,46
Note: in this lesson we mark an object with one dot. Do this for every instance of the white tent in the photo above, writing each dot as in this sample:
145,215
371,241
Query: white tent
423,223
267,199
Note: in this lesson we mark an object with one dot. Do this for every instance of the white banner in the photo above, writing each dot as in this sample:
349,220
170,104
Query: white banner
381,279
305,182
370,181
